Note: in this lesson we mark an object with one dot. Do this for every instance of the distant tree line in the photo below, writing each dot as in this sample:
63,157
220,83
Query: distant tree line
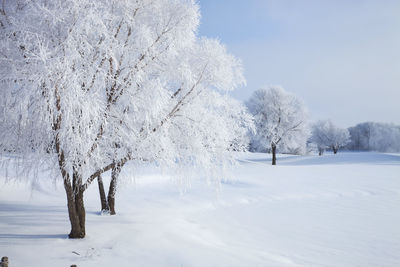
374,136
282,126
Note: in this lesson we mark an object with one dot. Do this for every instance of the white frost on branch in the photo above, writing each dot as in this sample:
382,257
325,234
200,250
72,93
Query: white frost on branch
90,83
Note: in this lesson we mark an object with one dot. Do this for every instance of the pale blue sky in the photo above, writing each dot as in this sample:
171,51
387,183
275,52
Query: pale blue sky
342,57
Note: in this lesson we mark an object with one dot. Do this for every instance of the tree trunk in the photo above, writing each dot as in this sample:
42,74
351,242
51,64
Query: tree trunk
102,193
113,188
320,151
335,150
273,147
76,211
80,208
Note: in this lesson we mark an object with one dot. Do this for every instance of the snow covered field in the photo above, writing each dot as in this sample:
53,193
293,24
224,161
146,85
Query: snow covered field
334,210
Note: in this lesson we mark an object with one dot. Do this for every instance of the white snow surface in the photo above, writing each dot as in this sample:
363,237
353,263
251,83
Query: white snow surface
334,210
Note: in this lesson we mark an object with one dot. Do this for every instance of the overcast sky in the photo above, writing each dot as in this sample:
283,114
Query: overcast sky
342,57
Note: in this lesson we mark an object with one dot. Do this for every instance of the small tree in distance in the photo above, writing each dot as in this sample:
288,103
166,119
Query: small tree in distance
319,136
280,118
327,135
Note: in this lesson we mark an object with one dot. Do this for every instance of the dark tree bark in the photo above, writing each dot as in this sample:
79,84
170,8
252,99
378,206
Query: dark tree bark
80,208
108,204
335,150
74,192
116,170
273,148
76,208
102,193
320,151
76,211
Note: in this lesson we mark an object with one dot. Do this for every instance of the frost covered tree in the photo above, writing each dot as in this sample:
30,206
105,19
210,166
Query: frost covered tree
373,136
319,136
280,119
89,85
327,135
360,137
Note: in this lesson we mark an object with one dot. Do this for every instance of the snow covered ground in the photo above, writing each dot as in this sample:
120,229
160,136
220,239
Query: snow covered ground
334,210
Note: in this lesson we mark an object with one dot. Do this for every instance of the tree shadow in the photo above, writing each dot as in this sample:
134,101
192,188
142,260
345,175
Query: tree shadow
21,223
346,158
33,236
342,158
14,207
